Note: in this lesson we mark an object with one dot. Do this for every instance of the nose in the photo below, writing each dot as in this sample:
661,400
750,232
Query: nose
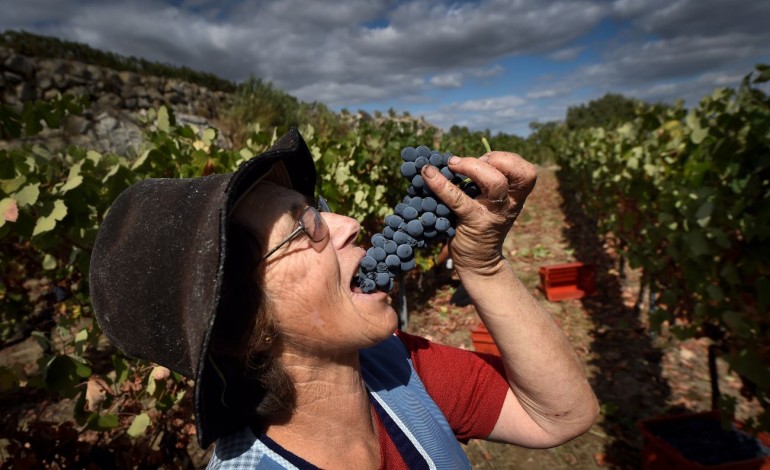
342,230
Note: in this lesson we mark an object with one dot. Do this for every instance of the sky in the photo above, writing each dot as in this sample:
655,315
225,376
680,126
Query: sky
485,64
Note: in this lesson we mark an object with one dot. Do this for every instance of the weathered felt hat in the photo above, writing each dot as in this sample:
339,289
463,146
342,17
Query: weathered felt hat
158,262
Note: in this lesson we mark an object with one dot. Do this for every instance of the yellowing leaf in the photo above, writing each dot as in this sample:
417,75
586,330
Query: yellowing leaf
208,136
138,162
151,385
94,156
47,223
74,179
163,121
138,425
28,195
49,262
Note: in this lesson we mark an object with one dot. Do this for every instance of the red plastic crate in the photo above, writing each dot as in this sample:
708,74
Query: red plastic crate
659,455
568,281
482,340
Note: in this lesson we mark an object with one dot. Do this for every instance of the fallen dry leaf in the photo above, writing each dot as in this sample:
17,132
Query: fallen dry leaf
160,373
96,391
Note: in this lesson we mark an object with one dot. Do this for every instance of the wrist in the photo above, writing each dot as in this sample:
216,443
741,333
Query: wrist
482,268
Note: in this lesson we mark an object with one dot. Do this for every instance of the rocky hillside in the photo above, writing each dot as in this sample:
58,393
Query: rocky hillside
116,97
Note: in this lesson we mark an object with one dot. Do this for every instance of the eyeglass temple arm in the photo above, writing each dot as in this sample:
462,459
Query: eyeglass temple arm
322,205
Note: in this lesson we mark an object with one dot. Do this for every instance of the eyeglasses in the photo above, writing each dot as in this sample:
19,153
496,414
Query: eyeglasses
311,223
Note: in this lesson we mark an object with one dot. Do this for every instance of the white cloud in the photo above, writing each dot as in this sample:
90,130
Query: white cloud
447,80
353,52
488,72
490,104
322,47
567,54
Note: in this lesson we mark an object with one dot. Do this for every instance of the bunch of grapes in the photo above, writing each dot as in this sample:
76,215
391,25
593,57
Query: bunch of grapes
420,220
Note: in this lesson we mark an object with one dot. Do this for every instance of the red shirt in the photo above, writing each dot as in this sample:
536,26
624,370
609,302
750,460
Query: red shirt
468,387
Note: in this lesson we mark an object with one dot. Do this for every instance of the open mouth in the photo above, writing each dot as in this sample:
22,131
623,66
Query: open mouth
358,277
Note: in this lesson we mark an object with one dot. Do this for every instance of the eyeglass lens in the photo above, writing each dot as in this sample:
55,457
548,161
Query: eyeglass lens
314,224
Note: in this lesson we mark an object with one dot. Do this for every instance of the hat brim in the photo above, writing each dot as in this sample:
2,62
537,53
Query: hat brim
289,163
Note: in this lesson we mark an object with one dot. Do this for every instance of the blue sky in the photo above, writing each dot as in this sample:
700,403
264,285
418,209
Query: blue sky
487,64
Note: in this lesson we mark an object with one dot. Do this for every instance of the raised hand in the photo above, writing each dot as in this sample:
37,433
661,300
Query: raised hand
505,180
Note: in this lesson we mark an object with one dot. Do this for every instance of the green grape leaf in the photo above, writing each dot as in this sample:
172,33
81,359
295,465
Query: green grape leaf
697,243
121,369
735,321
704,213
7,167
698,135
47,223
763,293
747,363
105,422
12,185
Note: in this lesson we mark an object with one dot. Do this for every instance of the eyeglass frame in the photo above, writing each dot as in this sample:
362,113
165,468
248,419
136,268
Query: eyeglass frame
322,207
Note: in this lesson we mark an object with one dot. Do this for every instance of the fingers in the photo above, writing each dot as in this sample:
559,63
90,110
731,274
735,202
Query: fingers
459,202
490,180
505,180
520,174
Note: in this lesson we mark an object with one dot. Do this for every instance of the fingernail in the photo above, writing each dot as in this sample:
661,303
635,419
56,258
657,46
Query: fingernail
430,171
454,160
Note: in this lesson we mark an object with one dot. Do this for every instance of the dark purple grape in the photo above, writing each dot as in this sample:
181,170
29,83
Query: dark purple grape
408,170
429,204
423,151
368,263
404,252
410,213
407,265
409,154
382,279
414,228
379,254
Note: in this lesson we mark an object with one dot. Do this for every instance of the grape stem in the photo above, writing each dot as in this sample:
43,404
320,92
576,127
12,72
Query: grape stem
486,144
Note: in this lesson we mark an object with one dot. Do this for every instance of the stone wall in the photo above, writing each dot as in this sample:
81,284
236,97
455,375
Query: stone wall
117,98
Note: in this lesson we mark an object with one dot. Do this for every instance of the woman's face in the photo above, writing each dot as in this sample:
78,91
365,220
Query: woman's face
309,283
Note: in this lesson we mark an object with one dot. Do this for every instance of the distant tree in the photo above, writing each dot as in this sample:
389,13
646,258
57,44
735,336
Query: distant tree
545,139
608,111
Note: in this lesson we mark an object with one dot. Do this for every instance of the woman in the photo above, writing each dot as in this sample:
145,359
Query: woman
238,282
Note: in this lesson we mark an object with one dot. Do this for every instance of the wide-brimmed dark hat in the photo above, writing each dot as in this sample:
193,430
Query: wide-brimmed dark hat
157,267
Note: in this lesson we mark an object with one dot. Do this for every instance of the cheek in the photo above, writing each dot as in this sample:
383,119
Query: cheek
307,287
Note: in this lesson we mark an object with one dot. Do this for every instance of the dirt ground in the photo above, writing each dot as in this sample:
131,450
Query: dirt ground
635,373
